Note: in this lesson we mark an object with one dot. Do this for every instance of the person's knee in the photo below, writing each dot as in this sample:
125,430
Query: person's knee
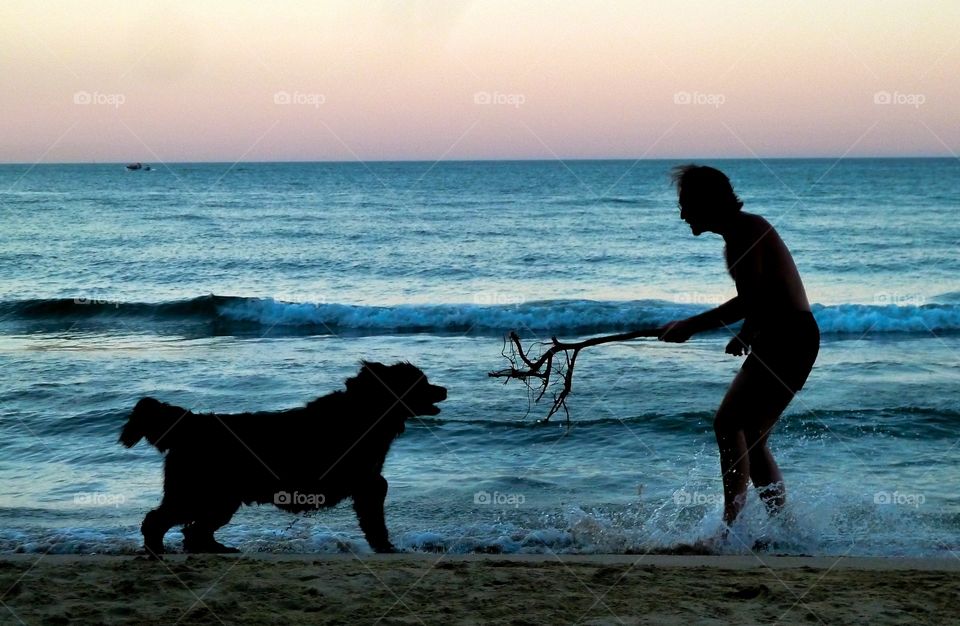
726,424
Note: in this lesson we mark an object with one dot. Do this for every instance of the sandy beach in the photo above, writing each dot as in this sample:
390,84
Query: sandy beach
440,589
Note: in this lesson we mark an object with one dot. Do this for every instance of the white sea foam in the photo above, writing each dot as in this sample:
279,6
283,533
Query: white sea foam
565,316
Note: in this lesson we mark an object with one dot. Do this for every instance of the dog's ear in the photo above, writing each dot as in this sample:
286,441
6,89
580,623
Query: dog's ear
370,376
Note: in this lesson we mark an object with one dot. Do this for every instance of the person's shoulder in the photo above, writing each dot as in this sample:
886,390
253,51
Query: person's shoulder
756,226
755,221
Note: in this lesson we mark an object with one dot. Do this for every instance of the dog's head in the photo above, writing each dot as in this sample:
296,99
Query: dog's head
400,390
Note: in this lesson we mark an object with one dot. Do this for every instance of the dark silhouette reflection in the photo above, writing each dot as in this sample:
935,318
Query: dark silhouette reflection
779,333
298,459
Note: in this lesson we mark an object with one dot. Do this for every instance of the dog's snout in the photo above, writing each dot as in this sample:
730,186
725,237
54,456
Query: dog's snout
439,392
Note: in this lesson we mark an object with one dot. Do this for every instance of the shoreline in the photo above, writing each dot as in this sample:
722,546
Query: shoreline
404,588
732,562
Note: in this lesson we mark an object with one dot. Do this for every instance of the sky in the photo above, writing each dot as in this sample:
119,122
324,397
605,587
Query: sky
237,80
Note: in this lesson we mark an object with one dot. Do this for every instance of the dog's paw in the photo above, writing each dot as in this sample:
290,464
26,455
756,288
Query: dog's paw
150,555
210,548
204,545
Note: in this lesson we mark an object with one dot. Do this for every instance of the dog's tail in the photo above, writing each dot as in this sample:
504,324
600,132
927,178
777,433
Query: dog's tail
154,420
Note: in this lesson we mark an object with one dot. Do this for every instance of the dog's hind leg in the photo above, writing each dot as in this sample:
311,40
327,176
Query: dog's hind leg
368,504
198,536
155,525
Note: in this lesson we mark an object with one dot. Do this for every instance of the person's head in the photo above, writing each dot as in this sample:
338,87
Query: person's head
706,197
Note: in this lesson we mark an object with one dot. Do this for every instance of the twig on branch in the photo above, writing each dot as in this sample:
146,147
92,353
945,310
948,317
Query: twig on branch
542,367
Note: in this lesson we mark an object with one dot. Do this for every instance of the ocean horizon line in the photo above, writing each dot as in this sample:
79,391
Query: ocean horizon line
498,160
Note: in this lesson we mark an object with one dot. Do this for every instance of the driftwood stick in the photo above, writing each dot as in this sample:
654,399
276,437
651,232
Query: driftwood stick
542,367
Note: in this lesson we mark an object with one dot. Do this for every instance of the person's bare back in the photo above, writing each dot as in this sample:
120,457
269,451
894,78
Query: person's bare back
763,268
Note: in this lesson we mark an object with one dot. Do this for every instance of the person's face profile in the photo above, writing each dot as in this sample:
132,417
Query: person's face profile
693,212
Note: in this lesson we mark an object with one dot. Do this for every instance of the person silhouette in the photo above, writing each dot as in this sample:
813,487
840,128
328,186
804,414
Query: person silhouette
779,333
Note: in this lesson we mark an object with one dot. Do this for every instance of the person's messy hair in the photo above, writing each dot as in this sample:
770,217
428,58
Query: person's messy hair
706,184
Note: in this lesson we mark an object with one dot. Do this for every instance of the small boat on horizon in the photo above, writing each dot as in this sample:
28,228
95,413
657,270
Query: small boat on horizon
138,166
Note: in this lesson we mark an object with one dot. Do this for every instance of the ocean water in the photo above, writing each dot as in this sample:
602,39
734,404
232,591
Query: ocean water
260,286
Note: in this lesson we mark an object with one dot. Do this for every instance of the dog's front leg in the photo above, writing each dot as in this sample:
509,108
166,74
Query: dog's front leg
368,504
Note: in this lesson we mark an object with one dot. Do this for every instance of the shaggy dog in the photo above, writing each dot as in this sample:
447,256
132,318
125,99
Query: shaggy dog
298,459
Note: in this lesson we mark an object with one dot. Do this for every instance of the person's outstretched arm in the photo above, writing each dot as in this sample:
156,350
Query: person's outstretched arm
730,312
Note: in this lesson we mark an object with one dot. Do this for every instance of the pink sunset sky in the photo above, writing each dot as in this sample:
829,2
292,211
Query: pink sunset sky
236,80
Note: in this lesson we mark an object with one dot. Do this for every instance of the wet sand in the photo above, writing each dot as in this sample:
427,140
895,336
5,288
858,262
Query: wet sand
473,589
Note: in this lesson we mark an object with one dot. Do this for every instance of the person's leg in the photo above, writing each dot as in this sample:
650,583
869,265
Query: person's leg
769,397
734,457
743,423
765,473
734,468
757,397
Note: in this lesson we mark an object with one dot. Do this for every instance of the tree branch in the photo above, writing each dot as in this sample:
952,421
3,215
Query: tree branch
542,368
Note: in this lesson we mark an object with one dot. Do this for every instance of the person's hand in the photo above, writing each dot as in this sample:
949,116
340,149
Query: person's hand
677,331
737,347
